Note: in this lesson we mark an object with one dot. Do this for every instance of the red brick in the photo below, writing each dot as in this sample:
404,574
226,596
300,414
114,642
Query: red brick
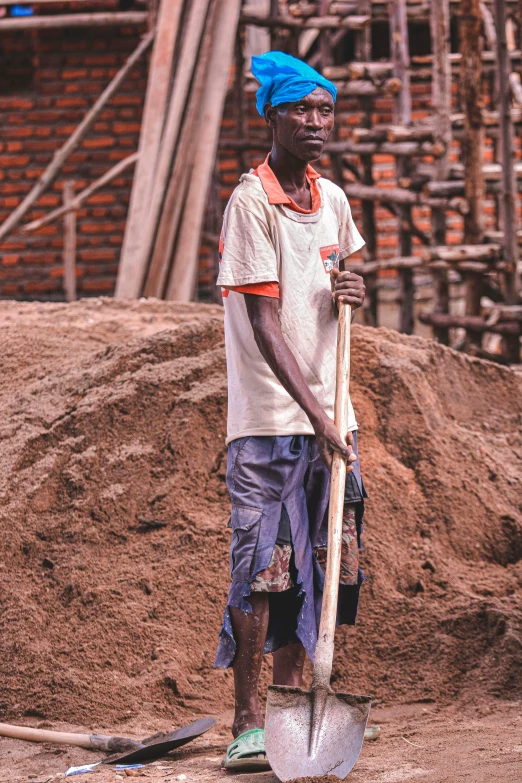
97,285
10,259
104,254
7,161
126,127
71,102
41,287
14,146
78,73
8,103
98,143
9,289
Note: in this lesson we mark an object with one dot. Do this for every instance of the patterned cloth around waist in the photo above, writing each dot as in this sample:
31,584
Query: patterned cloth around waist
275,478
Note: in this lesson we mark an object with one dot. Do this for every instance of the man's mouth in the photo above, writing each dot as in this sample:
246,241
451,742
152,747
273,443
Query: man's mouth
314,138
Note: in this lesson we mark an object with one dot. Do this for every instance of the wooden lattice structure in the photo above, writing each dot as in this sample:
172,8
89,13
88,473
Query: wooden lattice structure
199,61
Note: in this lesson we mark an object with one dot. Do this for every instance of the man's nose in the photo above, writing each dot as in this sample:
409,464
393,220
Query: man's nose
314,119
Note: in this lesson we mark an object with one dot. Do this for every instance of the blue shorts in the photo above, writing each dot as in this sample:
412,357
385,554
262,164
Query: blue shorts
279,488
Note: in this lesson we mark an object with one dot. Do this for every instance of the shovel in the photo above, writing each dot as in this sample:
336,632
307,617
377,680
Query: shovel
319,732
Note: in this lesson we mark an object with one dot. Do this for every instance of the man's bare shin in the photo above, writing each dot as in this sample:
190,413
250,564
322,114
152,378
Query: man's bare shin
288,665
250,634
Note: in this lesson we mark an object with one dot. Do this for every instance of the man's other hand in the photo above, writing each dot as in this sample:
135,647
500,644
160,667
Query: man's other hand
329,440
347,287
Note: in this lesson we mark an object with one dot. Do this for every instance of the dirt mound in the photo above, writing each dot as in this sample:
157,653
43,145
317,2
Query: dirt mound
113,508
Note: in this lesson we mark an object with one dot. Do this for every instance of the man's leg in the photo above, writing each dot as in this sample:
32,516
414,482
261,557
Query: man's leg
289,664
250,634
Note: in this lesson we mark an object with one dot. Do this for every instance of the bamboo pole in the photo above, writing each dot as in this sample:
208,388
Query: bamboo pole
471,44
184,273
363,54
190,48
441,102
85,195
316,23
69,243
399,47
176,191
107,19
72,142
511,346
132,265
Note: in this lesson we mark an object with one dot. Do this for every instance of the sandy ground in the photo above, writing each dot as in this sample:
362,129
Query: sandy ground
113,576
419,742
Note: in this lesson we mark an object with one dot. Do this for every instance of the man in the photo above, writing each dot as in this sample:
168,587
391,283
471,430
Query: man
285,232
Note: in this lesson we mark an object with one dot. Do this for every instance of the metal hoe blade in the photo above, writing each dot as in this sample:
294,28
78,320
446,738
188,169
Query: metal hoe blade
295,750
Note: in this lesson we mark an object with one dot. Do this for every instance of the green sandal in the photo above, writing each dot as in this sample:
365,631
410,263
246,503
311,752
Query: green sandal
247,752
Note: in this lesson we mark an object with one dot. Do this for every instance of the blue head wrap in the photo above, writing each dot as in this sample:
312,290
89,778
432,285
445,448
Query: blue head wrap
285,79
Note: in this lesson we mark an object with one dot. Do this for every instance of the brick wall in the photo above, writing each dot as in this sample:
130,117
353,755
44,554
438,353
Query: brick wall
47,82
49,79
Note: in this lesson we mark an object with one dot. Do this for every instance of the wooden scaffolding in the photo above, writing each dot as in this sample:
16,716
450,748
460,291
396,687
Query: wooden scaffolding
199,64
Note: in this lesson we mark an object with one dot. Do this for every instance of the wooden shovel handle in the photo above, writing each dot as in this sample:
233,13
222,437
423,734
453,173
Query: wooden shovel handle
100,742
42,735
325,643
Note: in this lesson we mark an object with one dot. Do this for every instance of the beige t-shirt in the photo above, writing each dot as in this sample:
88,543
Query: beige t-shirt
266,242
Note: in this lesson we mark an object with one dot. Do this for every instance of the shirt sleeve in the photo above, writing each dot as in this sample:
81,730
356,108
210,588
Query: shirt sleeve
248,254
349,238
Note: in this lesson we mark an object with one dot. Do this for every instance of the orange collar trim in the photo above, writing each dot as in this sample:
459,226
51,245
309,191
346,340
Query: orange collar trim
276,194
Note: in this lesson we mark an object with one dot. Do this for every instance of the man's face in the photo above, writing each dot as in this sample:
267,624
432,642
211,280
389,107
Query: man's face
302,128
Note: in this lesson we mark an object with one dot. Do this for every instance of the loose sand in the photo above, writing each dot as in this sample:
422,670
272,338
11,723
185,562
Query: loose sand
113,558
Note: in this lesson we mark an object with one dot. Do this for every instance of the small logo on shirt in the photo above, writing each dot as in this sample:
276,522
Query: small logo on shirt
330,257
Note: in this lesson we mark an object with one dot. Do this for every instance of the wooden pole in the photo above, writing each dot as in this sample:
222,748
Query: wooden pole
190,48
176,192
74,20
471,45
69,243
402,115
132,265
72,142
363,53
441,102
511,346
85,195
184,273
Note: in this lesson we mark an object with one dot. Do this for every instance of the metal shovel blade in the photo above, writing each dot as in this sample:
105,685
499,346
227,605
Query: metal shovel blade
160,744
292,750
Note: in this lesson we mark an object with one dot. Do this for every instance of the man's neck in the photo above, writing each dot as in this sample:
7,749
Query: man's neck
288,169
291,175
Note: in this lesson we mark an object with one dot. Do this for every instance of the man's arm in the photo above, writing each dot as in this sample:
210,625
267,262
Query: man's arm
264,319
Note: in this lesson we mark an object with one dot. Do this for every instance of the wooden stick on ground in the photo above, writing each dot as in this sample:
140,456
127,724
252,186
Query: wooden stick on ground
72,142
183,279
132,265
69,243
85,195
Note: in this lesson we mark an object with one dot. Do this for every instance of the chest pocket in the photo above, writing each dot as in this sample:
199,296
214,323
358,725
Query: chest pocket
245,522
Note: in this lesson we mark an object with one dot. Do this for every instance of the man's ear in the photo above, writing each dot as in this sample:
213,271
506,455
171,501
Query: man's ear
270,115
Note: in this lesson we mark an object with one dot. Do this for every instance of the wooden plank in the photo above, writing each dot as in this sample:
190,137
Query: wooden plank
85,195
132,264
74,139
183,279
399,47
508,211
74,20
190,49
160,263
69,243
